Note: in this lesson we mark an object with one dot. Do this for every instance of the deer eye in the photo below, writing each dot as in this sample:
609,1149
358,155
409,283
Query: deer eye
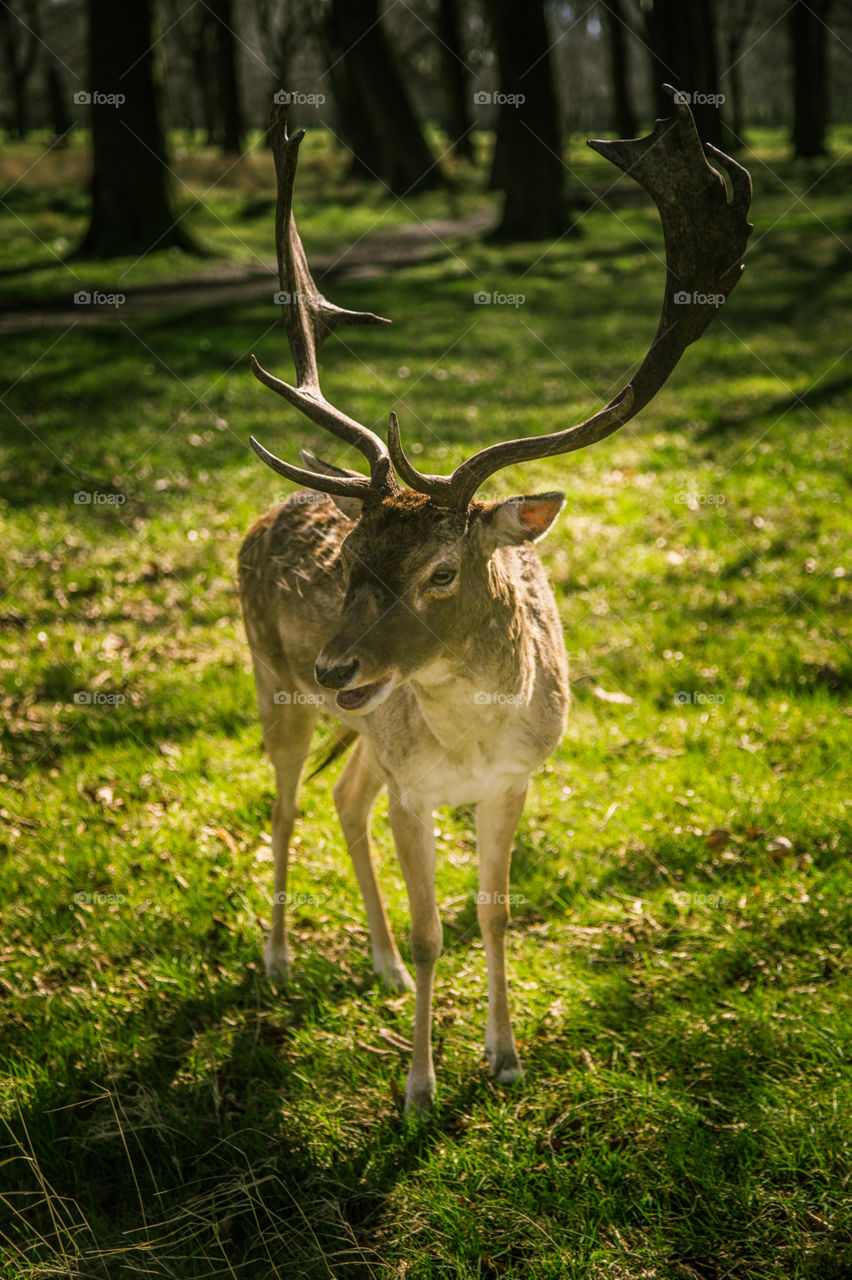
443,576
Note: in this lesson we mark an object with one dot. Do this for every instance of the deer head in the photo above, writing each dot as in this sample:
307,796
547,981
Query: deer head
418,560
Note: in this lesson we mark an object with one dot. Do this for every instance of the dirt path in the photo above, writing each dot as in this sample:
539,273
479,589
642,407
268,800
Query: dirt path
226,283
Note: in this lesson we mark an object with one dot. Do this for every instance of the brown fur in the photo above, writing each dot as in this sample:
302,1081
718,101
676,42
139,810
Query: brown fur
467,693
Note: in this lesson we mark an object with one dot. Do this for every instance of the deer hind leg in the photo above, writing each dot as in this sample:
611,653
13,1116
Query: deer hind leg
415,847
288,726
354,793
496,821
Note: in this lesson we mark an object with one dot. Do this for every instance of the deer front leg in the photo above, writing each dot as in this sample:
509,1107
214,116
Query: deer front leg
496,821
415,846
354,793
287,730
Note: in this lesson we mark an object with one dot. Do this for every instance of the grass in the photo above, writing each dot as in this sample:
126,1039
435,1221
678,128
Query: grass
680,953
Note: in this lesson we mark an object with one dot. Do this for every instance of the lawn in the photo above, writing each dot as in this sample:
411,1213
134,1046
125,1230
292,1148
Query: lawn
679,954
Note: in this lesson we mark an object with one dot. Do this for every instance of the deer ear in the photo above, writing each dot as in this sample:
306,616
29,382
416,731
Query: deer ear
519,520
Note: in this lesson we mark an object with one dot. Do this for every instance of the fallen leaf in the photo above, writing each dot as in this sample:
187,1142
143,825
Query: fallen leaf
229,840
603,695
717,839
779,845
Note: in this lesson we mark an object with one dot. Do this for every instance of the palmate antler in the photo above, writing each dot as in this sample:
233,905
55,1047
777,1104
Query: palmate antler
705,237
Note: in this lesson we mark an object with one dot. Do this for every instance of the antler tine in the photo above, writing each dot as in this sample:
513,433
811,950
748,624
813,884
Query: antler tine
705,238
309,318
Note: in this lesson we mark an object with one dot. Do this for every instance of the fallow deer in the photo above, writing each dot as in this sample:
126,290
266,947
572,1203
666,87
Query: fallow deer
427,613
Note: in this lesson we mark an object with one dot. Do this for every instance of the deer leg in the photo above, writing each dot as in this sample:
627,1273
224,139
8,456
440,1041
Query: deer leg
415,847
288,727
496,821
354,794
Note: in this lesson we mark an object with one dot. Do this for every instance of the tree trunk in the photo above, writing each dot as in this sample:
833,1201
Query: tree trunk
455,79
528,149
19,42
131,211
58,99
352,128
205,81
280,32
624,121
226,77
389,142
735,18
735,83
810,76
195,32
682,43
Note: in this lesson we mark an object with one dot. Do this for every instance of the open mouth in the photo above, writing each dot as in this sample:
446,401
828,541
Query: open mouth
358,699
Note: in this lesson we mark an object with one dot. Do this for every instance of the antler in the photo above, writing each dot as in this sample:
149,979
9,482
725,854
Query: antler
309,318
705,238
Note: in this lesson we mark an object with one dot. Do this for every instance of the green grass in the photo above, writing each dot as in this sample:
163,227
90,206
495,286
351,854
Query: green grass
680,956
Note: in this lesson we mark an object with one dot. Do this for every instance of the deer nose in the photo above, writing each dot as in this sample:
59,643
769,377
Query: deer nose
336,676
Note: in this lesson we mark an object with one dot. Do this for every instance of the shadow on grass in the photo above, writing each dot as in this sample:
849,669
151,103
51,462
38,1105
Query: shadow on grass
145,1168
739,415
158,1163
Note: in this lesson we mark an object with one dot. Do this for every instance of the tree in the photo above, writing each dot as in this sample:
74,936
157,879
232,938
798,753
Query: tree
528,149
281,26
373,106
454,78
624,121
131,209
810,76
736,16
230,115
58,100
682,42
19,43
195,34
280,30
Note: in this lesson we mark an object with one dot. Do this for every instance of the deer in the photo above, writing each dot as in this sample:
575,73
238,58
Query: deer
419,619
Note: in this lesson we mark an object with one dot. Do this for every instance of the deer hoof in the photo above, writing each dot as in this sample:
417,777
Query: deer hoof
505,1065
276,961
419,1098
394,975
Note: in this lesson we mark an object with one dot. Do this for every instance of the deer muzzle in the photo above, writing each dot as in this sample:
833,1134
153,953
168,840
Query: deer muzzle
353,697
